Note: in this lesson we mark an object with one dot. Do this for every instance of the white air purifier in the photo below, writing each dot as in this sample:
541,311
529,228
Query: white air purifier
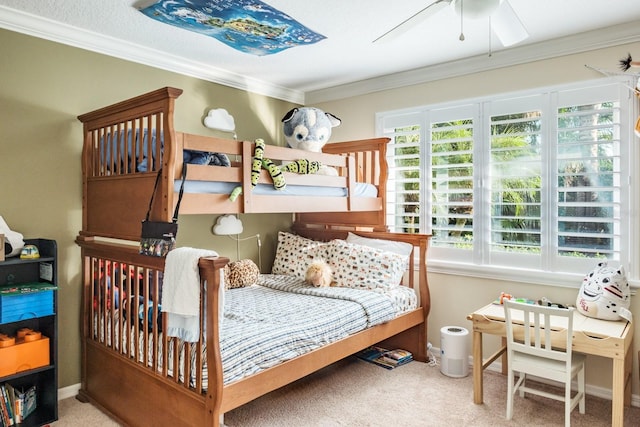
454,351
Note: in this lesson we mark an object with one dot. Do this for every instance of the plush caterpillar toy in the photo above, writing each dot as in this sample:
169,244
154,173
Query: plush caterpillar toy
258,162
256,166
302,166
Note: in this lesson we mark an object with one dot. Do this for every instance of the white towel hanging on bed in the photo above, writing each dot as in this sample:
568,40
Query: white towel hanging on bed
181,292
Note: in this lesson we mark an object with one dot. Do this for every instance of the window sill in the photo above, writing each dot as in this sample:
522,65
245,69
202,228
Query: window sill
518,275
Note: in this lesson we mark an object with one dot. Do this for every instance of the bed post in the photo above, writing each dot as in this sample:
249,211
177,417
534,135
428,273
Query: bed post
211,272
415,339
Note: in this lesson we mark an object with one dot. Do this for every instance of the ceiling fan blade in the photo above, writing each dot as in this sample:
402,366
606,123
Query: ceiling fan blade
506,24
415,19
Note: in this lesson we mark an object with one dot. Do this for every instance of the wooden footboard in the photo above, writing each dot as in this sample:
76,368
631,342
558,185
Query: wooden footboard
128,143
130,369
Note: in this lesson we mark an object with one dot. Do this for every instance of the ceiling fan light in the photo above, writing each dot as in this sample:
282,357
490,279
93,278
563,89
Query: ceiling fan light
507,26
475,9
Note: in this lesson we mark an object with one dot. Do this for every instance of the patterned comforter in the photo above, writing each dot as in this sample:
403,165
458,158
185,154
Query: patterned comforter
282,318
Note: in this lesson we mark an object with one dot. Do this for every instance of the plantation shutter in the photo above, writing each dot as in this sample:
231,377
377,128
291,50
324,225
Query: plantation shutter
452,156
588,167
517,179
404,156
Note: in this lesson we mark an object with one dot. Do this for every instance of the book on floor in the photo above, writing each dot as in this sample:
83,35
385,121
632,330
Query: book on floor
387,358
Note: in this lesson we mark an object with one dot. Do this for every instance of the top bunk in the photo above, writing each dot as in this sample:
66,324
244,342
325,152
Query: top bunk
127,145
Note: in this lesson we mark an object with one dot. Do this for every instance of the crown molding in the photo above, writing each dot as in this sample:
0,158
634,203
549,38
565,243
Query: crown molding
44,28
576,43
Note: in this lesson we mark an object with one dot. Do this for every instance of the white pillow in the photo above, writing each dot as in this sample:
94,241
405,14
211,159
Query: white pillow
294,254
400,248
364,267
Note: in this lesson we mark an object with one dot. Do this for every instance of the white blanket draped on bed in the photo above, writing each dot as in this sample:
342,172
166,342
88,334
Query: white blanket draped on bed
181,292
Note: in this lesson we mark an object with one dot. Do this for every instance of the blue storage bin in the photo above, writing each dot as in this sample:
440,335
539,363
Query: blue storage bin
26,306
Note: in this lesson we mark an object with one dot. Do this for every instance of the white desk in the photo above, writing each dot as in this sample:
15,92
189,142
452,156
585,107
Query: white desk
604,338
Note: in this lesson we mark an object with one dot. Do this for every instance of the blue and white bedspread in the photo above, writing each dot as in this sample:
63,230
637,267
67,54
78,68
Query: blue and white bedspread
282,318
277,320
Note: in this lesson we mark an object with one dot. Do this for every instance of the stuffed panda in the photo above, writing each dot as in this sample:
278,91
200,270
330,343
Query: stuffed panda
605,294
309,128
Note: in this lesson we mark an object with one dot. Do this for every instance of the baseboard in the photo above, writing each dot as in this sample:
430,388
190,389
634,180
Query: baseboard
69,391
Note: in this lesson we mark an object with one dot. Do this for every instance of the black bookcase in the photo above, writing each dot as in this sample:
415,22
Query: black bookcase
13,273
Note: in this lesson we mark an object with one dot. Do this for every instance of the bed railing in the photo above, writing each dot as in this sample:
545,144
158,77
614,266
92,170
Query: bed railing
370,164
122,301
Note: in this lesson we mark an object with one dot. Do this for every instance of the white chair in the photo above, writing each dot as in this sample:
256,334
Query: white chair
537,350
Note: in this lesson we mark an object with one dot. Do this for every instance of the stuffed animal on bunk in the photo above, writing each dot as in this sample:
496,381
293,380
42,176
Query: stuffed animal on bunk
605,294
302,166
205,158
309,128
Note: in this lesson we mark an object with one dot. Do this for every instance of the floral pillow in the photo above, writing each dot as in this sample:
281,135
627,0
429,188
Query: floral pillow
294,254
364,267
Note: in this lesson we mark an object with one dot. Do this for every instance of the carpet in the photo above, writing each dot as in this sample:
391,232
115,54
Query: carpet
356,393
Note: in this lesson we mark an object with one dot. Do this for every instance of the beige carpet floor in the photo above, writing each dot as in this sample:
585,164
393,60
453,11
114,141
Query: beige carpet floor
356,393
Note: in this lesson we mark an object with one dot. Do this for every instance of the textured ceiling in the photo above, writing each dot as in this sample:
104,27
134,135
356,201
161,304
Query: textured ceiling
347,58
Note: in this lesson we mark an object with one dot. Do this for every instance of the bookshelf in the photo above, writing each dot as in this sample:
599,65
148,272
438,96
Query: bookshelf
31,319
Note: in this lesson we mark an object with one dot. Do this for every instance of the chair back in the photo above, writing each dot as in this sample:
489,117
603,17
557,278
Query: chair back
539,330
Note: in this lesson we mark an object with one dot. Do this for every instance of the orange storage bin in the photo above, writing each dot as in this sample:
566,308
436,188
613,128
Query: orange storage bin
24,355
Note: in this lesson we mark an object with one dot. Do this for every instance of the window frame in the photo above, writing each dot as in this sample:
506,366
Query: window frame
552,97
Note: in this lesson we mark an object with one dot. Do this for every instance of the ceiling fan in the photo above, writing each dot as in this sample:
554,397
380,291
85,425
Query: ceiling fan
503,20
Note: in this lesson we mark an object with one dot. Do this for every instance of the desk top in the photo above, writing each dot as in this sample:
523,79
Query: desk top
592,336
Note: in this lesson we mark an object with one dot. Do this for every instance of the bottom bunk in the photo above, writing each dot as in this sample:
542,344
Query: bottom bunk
255,343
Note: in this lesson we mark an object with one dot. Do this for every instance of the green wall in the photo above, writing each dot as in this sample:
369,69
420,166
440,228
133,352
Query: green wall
44,86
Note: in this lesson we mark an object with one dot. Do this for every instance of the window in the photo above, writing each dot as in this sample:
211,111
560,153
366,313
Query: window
534,181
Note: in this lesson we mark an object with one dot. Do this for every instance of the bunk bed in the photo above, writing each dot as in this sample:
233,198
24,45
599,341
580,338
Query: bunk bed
139,375
126,144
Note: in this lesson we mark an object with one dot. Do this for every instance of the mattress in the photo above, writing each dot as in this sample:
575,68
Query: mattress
205,187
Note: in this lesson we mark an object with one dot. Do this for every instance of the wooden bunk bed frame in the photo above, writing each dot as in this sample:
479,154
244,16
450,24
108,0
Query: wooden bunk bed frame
135,385
116,195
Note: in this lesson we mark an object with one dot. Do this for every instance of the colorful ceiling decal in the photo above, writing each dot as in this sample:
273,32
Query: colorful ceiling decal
249,26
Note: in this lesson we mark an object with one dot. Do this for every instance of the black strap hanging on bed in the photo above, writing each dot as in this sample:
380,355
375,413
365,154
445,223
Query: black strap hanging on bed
157,237
155,187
